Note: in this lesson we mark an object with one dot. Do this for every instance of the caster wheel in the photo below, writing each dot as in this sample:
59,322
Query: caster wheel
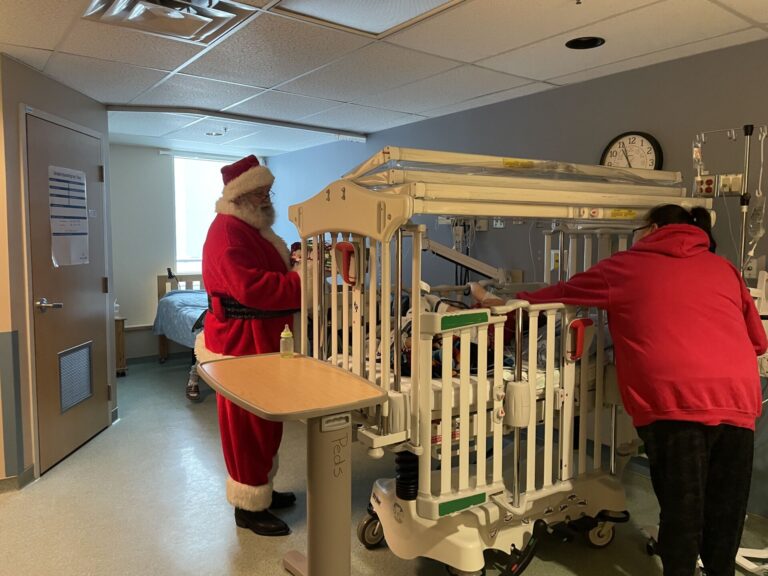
651,547
601,535
370,532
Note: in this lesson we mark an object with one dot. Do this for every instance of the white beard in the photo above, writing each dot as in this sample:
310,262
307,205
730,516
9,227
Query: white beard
261,218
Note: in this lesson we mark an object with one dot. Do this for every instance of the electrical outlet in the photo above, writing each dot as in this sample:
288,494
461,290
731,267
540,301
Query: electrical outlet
497,223
729,183
481,224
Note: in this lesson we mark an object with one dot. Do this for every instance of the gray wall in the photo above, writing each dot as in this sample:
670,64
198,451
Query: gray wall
673,101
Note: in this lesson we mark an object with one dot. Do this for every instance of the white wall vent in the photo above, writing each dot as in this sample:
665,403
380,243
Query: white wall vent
195,20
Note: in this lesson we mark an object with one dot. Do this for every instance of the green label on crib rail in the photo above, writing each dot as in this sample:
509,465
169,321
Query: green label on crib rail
453,322
460,504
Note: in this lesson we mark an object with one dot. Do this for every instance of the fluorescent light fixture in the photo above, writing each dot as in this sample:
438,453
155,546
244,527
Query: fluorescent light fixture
190,20
372,16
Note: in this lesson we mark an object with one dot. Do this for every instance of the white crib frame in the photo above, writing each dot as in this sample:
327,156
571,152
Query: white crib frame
461,511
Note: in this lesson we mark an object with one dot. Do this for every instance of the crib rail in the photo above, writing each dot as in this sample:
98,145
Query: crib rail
461,437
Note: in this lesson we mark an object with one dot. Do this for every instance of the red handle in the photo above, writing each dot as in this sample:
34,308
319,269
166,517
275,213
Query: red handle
579,327
348,251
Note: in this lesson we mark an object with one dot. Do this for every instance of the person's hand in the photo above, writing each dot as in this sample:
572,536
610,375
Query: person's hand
477,291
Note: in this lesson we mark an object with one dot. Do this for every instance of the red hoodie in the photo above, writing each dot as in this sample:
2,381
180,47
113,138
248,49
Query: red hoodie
685,329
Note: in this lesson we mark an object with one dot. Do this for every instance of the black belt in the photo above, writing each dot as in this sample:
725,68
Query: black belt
233,309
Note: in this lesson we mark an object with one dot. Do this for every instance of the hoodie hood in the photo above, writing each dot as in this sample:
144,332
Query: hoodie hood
676,240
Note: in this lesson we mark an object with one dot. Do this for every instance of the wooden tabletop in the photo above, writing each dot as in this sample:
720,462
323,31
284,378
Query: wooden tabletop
277,388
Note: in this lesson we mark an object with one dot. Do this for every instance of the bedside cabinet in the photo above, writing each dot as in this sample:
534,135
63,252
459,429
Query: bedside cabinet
120,361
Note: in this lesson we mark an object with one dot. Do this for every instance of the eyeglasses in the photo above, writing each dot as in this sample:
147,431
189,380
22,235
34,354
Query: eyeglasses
636,230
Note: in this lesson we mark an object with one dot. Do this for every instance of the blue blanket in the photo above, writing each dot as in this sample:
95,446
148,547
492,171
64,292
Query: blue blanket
177,313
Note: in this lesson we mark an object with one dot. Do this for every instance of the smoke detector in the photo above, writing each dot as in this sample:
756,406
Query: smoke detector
200,21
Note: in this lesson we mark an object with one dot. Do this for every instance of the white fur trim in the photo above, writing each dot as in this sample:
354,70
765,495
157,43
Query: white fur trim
202,354
249,181
251,498
258,219
246,212
279,244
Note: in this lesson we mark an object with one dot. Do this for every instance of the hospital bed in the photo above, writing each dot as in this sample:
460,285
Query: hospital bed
181,303
508,454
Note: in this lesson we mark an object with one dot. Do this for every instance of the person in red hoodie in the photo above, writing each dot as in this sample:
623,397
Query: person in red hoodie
686,336
252,293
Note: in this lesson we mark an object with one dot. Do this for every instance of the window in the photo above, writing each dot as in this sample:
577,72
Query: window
197,184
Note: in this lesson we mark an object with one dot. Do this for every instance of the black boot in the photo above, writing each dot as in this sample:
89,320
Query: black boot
262,522
282,500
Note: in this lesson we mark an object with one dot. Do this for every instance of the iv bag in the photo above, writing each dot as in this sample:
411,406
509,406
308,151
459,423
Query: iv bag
755,229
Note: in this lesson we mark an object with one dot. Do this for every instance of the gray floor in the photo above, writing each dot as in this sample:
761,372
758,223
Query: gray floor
146,497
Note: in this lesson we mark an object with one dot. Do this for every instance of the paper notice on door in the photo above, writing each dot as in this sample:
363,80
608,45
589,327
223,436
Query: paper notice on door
69,216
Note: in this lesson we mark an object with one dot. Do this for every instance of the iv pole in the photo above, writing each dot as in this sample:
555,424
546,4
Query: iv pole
745,197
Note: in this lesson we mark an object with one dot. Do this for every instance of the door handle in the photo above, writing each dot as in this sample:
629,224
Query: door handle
44,305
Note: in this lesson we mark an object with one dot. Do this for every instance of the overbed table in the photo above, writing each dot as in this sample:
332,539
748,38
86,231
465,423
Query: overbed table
303,388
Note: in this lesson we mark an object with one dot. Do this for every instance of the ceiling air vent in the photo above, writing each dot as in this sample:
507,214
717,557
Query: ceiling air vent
195,20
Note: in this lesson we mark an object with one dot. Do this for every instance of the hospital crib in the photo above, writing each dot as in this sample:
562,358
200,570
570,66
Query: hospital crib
486,456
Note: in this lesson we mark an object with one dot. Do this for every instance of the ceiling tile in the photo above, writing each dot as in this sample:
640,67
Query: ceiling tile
148,123
282,106
29,56
188,146
285,139
107,42
751,35
232,130
182,90
368,71
360,118
448,88
502,96
107,82
674,23
37,23
757,10
484,28
272,49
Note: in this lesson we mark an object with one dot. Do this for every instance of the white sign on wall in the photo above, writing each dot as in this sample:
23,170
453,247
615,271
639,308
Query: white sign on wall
69,216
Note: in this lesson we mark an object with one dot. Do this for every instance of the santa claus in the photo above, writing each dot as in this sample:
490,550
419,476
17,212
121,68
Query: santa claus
252,293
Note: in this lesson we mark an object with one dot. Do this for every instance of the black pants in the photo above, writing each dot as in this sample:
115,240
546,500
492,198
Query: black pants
701,477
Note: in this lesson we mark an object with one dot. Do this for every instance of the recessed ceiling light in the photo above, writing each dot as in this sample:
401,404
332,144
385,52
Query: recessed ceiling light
585,42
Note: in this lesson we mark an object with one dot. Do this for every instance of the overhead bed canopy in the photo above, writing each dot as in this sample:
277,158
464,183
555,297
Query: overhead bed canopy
391,187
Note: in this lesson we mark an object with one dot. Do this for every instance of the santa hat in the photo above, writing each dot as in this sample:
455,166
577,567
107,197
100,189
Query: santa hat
245,175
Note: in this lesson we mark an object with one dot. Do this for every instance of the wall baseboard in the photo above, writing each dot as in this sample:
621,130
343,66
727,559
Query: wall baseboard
17,482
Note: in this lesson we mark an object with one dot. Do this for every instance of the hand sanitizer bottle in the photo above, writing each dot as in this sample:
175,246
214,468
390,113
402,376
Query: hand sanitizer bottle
286,343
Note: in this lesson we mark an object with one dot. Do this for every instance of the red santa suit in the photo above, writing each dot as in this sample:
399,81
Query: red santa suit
252,295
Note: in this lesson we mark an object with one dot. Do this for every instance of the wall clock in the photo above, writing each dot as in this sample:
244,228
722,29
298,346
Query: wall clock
633,150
